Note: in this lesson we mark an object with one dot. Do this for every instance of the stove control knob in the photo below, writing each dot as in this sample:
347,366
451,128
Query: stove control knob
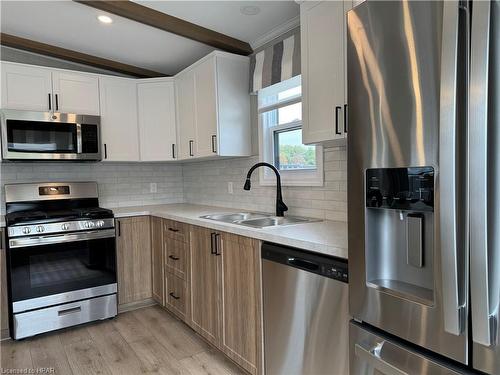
65,226
26,230
40,229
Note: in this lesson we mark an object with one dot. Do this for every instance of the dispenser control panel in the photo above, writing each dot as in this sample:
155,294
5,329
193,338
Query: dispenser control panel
400,188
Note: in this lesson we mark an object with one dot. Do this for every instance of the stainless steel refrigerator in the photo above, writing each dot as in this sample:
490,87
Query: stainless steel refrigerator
424,186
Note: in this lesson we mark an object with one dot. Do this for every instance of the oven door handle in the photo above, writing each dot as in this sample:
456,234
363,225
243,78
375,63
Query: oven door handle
60,238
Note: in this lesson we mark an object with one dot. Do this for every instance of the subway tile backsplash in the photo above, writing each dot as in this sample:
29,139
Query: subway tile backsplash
120,184
206,182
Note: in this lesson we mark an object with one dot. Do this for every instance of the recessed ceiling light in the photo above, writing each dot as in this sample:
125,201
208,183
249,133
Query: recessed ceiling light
105,19
250,10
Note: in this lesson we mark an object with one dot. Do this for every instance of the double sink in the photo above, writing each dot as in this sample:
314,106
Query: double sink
257,219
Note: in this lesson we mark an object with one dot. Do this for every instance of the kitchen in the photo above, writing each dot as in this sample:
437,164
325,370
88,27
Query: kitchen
263,187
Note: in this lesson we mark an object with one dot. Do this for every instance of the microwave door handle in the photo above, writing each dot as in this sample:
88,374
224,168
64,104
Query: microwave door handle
79,143
453,308
481,230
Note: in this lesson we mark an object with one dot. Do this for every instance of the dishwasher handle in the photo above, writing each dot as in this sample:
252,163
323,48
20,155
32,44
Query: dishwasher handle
303,263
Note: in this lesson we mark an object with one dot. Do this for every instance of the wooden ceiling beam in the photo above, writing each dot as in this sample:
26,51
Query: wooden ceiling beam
74,56
171,24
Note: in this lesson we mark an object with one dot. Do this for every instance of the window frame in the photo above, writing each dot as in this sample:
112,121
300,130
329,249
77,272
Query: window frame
267,149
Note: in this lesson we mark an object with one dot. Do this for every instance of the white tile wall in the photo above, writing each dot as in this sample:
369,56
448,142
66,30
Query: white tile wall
119,184
206,183
128,184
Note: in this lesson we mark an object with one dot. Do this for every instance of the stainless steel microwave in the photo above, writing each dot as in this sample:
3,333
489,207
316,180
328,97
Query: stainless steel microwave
46,136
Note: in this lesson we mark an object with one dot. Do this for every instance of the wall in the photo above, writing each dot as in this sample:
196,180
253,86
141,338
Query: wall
206,183
120,184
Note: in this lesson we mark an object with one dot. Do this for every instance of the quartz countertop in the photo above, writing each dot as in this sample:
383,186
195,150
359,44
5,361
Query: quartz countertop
325,237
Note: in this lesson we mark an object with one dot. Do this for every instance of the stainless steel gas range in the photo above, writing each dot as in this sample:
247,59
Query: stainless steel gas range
61,257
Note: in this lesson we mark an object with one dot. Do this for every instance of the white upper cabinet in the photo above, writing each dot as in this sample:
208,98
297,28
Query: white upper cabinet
184,89
119,129
323,34
205,76
75,93
157,128
26,87
213,107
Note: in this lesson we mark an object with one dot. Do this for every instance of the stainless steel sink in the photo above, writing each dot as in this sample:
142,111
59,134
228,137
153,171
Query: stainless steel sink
235,217
258,219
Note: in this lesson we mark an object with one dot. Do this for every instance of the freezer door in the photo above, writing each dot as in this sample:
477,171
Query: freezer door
485,185
372,353
407,95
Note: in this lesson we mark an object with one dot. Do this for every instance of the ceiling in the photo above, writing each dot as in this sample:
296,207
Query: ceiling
74,26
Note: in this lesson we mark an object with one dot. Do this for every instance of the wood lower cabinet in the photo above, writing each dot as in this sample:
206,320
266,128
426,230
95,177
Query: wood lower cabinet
133,253
157,261
241,301
176,295
226,294
205,285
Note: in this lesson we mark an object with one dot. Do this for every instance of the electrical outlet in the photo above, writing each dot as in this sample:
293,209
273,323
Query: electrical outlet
230,187
153,187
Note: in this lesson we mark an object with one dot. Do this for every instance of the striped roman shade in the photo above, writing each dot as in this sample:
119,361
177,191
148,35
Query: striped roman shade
276,63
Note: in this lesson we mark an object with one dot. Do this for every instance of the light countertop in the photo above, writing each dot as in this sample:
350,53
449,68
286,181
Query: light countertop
326,237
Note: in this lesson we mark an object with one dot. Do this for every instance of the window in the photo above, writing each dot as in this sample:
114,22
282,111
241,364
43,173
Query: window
280,136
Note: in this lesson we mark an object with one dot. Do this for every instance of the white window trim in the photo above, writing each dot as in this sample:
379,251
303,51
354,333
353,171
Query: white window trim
288,178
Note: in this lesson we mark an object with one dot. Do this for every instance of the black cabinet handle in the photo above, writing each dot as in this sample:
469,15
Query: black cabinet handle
213,244
105,151
217,243
50,103
214,139
57,103
191,148
171,294
173,150
173,230
345,118
173,258
337,109
119,227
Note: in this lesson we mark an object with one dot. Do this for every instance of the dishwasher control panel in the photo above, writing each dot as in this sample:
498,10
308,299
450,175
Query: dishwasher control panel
327,266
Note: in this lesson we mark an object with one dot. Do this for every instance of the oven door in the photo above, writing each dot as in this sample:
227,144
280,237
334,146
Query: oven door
54,269
49,136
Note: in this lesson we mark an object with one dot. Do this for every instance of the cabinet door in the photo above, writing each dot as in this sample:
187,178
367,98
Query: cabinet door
133,248
184,84
4,308
119,130
206,108
322,56
241,311
157,131
157,260
25,87
75,93
205,286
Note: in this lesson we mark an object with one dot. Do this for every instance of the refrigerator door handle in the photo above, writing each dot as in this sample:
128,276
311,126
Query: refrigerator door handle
483,318
374,358
452,293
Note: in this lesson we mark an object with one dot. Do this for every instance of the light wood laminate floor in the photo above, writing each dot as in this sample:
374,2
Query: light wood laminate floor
144,341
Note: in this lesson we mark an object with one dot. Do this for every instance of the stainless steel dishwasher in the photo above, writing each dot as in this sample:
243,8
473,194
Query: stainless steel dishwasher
306,320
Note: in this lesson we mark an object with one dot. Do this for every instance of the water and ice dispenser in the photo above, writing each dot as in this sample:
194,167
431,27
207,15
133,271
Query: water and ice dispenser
400,231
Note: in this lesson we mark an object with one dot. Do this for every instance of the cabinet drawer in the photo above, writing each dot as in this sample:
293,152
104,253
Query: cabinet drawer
176,257
176,295
176,230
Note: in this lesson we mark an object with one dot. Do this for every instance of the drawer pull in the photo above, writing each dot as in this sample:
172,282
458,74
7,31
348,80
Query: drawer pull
69,311
171,294
173,230
173,258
